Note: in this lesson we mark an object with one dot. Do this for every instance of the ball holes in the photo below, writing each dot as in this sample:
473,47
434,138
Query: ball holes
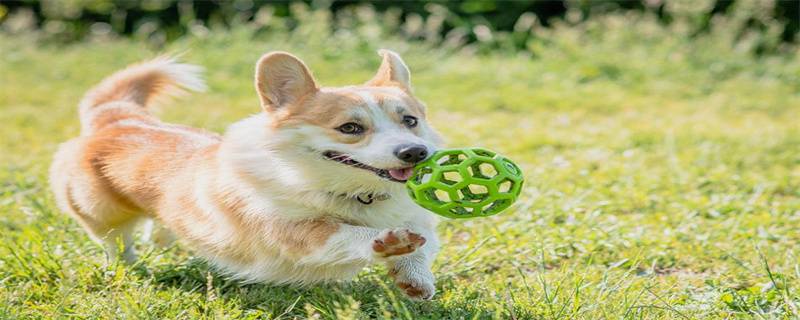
423,176
511,167
487,170
442,195
461,210
474,171
474,193
451,177
495,206
482,170
478,189
431,195
451,159
485,153
505,186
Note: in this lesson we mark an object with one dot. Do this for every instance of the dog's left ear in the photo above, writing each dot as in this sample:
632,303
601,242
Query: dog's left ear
282,79
392,72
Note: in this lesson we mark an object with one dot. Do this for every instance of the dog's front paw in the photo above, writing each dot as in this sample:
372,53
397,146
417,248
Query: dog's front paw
416,285
397,242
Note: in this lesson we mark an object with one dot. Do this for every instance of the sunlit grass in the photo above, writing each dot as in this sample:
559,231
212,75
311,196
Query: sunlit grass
663,180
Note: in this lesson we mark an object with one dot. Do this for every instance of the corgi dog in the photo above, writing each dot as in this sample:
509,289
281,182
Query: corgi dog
310,189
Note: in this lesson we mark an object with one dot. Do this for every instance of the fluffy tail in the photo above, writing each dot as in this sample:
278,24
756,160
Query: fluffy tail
140,84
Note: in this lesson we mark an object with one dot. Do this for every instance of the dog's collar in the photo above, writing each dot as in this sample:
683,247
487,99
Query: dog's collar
364,198
369,198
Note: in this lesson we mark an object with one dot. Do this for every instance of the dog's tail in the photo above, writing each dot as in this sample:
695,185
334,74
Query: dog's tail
140,85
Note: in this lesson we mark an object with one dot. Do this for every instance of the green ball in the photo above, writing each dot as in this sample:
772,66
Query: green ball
465,183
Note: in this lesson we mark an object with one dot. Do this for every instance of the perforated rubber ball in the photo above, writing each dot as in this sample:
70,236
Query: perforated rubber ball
465,183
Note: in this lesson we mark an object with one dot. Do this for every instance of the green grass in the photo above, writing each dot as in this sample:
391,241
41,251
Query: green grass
663,178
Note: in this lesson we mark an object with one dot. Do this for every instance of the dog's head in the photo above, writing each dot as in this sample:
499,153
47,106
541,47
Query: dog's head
371,134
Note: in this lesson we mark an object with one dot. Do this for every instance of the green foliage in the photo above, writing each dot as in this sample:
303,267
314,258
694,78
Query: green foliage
488,24
662,171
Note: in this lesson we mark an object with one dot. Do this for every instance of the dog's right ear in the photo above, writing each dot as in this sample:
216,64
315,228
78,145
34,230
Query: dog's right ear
392,72
282,79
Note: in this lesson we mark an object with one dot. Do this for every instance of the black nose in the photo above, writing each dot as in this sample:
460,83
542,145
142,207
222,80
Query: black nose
411,153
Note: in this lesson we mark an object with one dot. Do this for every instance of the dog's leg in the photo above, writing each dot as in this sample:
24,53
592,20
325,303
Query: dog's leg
347,244
408,254
158,234
412,272
120,238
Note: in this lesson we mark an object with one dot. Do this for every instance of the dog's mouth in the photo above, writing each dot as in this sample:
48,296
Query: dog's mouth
396,175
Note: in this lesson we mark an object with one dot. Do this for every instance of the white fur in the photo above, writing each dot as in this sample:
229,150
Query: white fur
295,181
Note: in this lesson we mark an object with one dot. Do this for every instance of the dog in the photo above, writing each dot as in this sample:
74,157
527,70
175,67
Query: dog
308,190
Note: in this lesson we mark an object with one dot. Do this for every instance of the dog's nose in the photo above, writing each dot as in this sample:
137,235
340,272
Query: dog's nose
411,153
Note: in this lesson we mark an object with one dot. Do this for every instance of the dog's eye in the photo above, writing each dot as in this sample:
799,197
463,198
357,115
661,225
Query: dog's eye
410,121
351,128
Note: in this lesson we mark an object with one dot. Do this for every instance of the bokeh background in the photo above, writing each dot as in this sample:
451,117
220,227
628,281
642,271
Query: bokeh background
489,23
659,139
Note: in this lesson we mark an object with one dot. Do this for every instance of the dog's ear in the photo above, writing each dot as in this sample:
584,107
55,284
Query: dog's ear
282,79
392,72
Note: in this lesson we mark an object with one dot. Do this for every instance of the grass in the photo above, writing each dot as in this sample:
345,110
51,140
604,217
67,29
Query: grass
663,178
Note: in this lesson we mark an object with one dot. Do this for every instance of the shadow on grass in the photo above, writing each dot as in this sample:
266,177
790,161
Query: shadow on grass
371,294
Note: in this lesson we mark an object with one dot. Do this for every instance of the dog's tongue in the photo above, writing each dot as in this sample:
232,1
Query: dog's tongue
401,174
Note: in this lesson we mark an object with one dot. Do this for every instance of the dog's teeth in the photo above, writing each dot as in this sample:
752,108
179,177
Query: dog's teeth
346,160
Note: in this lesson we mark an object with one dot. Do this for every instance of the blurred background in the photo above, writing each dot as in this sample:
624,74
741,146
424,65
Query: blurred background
481,24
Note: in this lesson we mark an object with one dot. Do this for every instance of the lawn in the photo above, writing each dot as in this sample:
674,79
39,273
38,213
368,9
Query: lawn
663,178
